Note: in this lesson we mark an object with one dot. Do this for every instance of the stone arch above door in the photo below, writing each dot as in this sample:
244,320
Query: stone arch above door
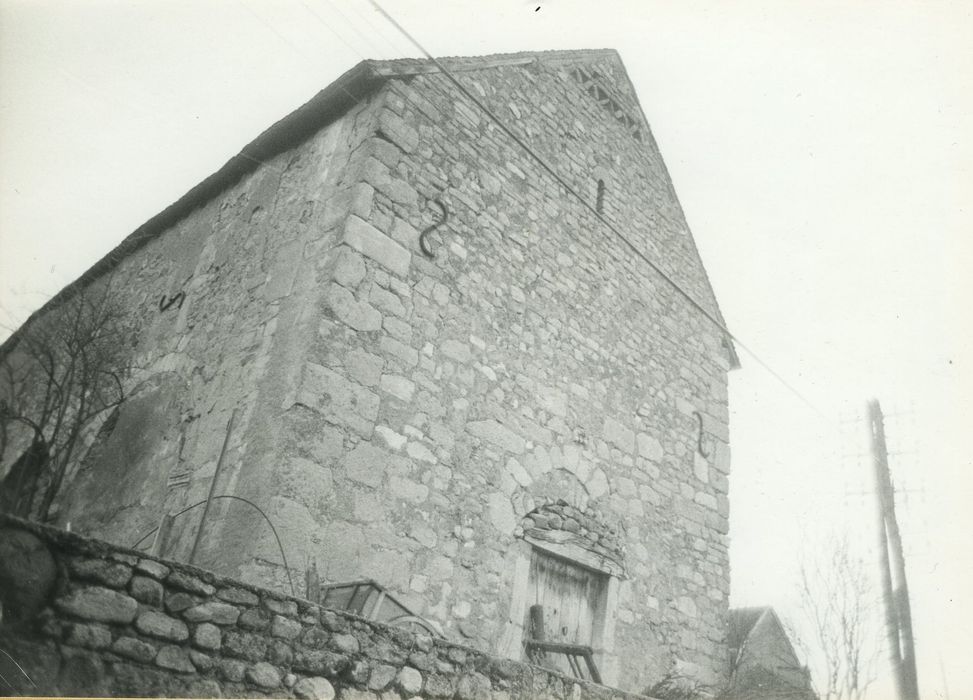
585,535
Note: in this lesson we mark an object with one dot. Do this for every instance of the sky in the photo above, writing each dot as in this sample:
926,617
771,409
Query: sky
821,150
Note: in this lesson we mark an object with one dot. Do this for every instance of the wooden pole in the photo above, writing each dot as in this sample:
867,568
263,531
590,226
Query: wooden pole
212,487
898,613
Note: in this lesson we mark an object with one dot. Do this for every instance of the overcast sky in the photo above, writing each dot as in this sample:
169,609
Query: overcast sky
821,150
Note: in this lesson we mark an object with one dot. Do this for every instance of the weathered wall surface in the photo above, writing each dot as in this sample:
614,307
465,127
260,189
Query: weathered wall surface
220,303
415,420
533,359
84,618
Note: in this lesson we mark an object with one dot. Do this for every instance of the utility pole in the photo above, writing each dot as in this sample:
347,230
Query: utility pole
898,614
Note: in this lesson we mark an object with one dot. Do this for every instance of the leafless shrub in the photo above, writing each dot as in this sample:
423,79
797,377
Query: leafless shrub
840,607
60,375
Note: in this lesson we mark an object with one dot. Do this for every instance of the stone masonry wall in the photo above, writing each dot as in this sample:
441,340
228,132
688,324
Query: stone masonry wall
533,359
81,617
400,416
219,302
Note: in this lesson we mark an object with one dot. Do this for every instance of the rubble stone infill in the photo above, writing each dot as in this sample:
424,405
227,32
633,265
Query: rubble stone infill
116,622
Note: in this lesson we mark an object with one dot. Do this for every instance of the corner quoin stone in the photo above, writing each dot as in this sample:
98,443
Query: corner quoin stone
372,243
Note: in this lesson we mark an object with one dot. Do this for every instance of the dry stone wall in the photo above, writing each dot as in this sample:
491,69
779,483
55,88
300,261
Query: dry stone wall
81,617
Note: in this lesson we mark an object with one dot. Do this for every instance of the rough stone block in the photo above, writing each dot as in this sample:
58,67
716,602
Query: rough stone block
280,280
338,399
207,636
152,568
398,386
398,131
344,643
701,468
254,619
314,688
132,648
112,574
400,351
706,500
356,674
381,676
314,638
619,435
497,434
89,636
553,400
238,596
385,301
364,367
146,590
178,601
320,661
359,315
99,604
649,447
264,675
279,606
189,583
456,350
597,484
438,686
244,645
232,670
156,624
405,233
474,686
280,653
374,244
213,611
409,681
203,662
285,628
175,659
401,192
408,490
366,464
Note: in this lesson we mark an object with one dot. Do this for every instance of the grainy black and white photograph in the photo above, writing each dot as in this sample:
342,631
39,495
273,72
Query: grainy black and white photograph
486,350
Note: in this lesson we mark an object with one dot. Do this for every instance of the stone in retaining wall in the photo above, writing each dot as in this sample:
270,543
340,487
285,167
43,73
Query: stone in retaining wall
202,635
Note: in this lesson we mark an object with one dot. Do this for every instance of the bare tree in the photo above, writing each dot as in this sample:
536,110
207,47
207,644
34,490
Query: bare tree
843,632
61,373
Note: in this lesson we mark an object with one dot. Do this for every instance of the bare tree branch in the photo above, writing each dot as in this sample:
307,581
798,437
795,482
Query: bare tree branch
64,372
837,600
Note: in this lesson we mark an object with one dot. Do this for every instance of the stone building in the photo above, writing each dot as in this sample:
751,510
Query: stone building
529,414
764,664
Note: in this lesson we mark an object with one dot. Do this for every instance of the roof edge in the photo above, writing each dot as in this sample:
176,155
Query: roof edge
328,104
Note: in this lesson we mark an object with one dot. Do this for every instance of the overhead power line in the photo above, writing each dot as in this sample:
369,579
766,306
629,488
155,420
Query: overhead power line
587,205
548,168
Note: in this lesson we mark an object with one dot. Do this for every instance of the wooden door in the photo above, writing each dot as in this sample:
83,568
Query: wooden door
572,597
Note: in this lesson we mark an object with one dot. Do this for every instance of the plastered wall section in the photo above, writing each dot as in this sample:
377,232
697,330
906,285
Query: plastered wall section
219,303
534,358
